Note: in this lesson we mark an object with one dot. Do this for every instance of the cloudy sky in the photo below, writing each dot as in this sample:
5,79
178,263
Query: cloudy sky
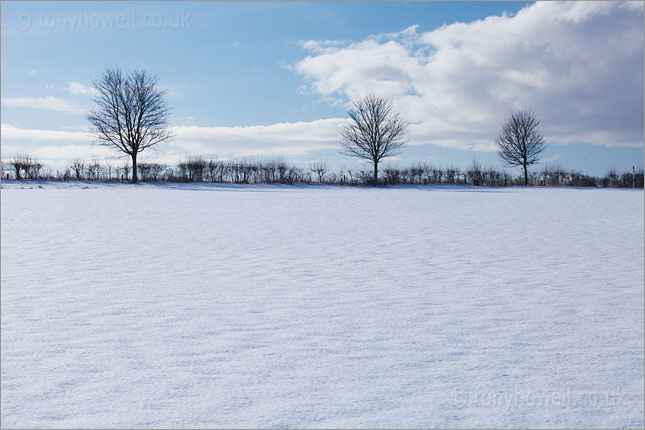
274,79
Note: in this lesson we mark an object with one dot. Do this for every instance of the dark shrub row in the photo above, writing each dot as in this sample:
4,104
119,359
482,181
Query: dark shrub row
247,171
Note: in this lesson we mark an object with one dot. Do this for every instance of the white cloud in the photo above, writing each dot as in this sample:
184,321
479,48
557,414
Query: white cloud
74,87
173,91
321,45
289,138
45,103
550,159
32,72
577,65
11,132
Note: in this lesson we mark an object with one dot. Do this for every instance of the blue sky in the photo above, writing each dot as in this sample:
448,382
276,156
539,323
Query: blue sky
274,79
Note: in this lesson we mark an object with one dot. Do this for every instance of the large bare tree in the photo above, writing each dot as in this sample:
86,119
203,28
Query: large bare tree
373,132
520,143
131,113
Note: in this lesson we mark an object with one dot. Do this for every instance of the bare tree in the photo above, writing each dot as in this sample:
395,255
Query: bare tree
474,171
196,166
18,163
271,169
282,170
144,171
132,114
213,167
6,168
319,168
613,176
392,175
437,174
452,173
294,174
78,167
350,172
554,174
156,170
109,167
374,131
126,169
28,164
520,143
93,169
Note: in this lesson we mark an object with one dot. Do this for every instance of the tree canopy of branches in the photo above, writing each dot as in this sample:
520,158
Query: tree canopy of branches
373,132
520,143
131,113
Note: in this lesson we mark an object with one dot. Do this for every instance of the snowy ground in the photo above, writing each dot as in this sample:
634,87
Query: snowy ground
277,306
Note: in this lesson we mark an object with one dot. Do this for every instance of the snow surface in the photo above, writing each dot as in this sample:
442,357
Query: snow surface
299,306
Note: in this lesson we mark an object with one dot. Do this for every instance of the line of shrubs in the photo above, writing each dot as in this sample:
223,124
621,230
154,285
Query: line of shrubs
246,171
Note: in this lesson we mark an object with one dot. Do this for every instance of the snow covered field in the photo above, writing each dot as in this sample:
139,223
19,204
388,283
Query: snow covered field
277,306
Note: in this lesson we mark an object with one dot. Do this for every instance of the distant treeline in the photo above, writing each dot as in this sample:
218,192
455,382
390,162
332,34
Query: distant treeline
212,169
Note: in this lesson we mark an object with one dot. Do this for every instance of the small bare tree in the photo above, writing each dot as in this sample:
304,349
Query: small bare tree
282,170
6,168
474,171
452,173
151,171
613,176
132,114
30,166
93,169
319,168
520,143
78,167
374,131
109,167
196,166
18,164
213,167
126,170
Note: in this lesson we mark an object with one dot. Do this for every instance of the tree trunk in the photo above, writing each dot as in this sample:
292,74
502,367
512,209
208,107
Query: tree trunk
526,176
375,173
134,168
